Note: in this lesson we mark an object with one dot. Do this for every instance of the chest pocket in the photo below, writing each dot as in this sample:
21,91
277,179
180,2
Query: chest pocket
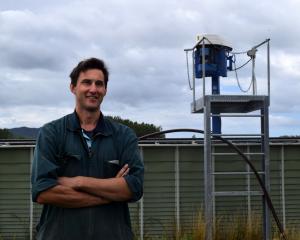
105,163
111,168
107,156
71,164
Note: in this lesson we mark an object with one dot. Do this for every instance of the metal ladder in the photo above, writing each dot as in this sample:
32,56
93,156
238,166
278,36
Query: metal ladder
234,106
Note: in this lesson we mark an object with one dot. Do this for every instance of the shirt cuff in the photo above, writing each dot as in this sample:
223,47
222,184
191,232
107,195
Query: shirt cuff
41,186
135,186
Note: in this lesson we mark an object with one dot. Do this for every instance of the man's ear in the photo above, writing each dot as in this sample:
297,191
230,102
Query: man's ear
72,88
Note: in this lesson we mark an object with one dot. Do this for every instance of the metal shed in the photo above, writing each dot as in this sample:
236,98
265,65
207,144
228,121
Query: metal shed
173,191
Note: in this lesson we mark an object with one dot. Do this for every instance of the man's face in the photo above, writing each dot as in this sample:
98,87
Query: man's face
89,90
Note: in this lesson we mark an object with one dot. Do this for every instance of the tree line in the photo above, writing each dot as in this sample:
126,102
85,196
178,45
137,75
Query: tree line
6,134
139,128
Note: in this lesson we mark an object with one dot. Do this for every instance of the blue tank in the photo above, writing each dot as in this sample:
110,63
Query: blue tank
217,62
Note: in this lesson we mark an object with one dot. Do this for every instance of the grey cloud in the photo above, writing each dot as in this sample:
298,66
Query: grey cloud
143,43
38,88
31,41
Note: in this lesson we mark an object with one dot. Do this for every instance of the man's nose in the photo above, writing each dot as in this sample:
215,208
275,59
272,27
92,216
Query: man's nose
93,87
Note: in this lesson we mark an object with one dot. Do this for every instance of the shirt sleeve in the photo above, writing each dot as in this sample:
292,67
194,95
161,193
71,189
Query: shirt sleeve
44,166
132,156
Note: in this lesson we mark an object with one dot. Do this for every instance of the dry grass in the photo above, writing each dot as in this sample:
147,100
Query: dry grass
293,233
236,227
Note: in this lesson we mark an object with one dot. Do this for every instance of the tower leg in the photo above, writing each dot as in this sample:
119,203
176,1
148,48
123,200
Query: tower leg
266,168
208,188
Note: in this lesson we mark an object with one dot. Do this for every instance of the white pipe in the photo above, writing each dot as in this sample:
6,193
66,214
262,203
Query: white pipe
283,188
194,83
177,192
141,205
203,67
269,71
30,200
249,190
213,160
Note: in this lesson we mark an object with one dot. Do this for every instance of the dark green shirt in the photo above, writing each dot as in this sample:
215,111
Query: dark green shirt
61,150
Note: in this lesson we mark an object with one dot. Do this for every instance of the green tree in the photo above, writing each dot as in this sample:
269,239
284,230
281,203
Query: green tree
5,134
140,129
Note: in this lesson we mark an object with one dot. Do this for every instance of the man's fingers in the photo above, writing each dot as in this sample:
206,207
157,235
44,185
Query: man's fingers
60,180
124,170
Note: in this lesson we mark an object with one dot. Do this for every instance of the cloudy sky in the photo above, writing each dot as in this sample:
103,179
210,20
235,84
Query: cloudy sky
142,43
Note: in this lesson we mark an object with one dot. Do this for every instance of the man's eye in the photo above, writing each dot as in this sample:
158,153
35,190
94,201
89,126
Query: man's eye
86,82
99,83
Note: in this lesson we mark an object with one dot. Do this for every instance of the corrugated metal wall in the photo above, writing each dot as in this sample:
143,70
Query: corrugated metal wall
173,191
14,193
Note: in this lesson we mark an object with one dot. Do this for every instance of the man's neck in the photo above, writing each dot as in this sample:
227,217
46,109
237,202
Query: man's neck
88,120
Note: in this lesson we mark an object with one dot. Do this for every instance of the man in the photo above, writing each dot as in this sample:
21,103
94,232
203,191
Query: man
86,167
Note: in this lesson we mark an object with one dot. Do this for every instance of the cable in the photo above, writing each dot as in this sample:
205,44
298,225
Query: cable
260,181
240,52
188,70
237,78
238,68
236,74
253,76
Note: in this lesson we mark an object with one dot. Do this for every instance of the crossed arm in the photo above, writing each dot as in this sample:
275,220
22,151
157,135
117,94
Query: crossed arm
80,191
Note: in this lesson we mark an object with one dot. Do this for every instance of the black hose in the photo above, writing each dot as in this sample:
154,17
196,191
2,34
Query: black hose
260,181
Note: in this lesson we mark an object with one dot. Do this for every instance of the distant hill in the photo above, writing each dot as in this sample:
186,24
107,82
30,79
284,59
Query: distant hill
25,132
31,133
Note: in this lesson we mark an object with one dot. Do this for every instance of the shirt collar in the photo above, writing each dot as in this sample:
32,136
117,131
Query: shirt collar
102,127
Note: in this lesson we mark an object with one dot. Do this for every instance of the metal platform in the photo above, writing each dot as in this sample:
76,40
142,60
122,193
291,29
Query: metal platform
230,103
240,106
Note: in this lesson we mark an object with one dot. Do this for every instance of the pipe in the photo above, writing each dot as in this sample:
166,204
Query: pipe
229,143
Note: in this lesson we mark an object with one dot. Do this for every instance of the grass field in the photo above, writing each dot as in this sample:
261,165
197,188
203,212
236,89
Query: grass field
236,227
229,228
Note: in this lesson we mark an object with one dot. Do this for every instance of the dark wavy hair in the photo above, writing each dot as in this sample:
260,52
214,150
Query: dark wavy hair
87,64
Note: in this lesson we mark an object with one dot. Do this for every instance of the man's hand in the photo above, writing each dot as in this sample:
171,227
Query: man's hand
111,189
76,182
72,182
123,172
67,197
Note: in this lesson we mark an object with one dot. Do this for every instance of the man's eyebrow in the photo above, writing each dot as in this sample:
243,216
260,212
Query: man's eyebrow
92,80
